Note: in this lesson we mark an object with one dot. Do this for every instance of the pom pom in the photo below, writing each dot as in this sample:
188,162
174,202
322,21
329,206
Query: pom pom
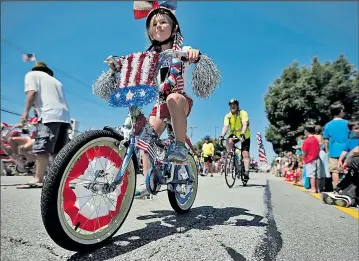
205,77
105,85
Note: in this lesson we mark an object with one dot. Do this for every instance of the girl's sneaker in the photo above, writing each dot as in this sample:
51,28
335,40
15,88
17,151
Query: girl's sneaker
179,153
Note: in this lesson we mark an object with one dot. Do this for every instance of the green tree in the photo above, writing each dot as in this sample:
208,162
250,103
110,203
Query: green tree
303,95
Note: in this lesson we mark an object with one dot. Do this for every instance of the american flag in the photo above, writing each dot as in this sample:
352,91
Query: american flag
28,57
146,147
262,152
147,141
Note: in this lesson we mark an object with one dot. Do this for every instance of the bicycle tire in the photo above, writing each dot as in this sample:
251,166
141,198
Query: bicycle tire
230,157
53,220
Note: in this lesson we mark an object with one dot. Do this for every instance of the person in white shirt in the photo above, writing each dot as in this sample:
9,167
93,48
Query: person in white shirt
47,93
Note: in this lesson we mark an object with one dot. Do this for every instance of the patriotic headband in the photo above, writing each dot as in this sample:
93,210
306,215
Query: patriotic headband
142,9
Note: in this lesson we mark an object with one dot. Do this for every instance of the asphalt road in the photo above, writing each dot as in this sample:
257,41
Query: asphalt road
268,220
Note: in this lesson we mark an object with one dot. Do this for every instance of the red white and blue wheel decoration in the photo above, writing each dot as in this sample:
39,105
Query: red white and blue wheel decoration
87,210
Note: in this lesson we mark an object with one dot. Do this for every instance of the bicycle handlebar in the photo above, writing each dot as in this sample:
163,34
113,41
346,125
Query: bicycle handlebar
112,61
223,141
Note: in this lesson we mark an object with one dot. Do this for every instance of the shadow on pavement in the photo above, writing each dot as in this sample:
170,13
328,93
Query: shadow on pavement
250,186
201,218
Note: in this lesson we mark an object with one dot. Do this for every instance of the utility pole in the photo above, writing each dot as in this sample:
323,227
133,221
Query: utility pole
192,127
215,132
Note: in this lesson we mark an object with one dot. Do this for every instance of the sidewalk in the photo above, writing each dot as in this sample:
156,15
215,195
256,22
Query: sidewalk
354,212
7,181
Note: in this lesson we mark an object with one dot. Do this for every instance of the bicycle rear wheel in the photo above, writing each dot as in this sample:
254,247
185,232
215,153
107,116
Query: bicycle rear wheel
230,169
182,203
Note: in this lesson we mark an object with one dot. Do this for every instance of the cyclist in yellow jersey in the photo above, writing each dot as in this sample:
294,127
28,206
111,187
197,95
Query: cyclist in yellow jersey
208,153
237,122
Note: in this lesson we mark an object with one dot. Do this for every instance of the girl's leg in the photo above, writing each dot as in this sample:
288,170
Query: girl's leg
178,108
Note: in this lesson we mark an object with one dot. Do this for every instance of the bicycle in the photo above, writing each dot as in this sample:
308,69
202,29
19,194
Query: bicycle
12,162
77,184
234,164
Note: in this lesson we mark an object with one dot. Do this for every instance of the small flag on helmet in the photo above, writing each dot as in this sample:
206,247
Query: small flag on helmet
28,57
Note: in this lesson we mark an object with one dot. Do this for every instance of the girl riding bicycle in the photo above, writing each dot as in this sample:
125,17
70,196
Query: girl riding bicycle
164,32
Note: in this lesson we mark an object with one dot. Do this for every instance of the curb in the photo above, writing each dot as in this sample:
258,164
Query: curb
350,211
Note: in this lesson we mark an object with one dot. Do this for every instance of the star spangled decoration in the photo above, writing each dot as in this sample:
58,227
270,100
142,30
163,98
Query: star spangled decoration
142,93
129,95
138,96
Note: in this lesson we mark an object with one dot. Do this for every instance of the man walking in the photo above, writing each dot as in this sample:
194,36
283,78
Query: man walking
47,93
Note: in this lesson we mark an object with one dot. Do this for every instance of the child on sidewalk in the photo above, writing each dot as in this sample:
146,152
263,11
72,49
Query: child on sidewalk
311,150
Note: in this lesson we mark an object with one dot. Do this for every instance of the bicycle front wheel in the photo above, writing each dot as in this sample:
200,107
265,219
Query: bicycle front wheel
230,169
77,214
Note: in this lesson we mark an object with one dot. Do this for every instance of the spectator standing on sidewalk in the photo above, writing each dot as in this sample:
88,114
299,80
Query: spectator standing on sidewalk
323,156
336,135
47,93
311,150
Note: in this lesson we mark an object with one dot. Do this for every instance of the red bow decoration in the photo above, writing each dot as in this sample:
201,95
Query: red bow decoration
142,8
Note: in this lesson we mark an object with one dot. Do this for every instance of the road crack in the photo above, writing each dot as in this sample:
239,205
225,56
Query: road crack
272,242
23,242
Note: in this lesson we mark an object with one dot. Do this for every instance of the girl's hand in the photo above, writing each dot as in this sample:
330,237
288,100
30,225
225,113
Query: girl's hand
193,55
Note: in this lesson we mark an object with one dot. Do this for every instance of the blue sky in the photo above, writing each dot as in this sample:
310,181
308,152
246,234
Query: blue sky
251,42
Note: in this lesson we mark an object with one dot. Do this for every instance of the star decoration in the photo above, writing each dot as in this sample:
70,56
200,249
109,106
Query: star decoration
142,93
118,96
129,95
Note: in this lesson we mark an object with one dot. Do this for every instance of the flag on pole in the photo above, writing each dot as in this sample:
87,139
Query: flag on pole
28,57
262,152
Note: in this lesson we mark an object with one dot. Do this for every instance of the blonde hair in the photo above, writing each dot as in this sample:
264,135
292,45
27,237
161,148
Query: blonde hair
150,27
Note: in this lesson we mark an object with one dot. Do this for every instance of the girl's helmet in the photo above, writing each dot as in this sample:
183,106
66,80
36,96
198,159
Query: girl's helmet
166,11
207,137
149,9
